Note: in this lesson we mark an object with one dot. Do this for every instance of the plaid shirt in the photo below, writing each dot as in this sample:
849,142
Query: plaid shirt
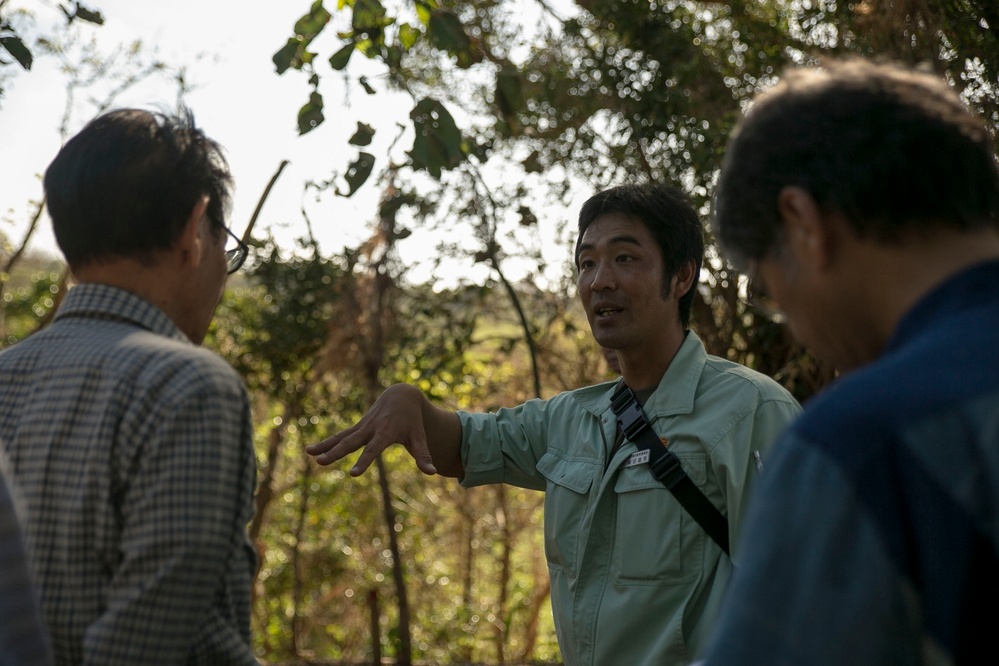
132,448
23,641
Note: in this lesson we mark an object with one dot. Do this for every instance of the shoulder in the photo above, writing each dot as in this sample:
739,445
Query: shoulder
728,380
166,371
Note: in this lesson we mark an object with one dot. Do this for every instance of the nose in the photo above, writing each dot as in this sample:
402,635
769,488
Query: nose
603,277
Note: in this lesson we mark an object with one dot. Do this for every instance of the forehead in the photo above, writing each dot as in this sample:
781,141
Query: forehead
616,228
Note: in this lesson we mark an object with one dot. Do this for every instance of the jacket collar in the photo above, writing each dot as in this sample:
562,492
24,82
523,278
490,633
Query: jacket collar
675,393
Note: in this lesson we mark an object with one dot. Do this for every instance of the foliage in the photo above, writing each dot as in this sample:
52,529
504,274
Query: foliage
556,97
561,96
12,39
29,297
289,329
607,92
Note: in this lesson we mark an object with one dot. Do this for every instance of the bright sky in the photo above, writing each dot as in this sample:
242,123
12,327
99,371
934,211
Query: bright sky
238,99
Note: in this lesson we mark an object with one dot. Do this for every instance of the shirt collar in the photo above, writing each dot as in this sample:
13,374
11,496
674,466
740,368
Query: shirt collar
676,390
100,301
972,288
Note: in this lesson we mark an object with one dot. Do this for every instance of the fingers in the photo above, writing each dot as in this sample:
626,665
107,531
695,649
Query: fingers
421,454
395,417
334,448
371,445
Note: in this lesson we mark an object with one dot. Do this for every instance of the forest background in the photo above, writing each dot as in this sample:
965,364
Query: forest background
510,109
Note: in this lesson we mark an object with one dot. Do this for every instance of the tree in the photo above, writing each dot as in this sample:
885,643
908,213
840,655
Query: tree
100,77
560,97
12,41
604,92
306,331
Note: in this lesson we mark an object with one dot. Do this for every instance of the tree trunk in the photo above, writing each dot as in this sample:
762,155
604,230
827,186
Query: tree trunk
376,634
538,598
500,624
404,656
296,559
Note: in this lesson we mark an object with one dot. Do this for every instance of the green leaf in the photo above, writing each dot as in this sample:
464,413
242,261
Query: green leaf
393,57
372,48
16,48
358,171
295,52
89,15
437,144
367,86
408,36
362,137
311,116
340,59
527,217
312,24
509,94
424,10
282,59
446,32
369,16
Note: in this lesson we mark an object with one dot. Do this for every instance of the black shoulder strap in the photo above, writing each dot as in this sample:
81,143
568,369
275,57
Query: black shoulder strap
666,467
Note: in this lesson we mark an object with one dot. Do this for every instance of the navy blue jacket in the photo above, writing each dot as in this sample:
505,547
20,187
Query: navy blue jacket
874,534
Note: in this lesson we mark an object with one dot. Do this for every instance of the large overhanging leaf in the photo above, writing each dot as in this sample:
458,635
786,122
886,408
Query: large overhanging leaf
295,52
358,171
311,115
89,15
369,16
363,135
447,33
438,140
14,46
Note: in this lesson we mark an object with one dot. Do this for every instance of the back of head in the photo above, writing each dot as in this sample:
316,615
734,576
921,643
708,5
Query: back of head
668,215
126,184
894,151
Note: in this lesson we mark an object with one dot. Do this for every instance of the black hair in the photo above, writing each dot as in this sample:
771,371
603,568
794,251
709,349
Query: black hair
127,183
894,151
668,215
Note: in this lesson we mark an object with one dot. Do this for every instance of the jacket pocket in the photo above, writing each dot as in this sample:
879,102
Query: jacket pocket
657,540
566,501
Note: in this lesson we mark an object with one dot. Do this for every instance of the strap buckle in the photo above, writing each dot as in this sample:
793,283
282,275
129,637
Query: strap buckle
630,418
667,469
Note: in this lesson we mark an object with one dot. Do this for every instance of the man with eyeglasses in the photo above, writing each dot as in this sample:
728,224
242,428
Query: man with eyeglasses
132,445
864,199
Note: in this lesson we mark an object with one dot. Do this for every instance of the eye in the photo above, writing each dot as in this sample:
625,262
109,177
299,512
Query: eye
585,263
622,258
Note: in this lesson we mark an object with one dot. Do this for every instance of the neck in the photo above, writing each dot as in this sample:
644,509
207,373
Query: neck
645,367
898,276
154,282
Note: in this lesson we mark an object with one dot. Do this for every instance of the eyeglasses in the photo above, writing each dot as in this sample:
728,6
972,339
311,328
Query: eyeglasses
235,257
758,298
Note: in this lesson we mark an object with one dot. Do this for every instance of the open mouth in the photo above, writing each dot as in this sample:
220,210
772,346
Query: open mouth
606,312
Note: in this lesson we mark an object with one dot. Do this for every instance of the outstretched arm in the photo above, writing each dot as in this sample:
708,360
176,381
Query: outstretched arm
400,415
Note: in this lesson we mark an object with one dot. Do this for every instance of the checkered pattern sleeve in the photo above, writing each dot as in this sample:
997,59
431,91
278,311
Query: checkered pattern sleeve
180,592
23,639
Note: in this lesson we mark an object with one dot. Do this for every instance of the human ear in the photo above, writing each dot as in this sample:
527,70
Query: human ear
806,234
685,278
190,240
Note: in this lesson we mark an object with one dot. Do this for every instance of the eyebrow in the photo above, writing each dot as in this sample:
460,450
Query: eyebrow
623,238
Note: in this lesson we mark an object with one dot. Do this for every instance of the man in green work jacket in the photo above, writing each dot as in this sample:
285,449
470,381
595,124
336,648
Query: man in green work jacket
635,578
